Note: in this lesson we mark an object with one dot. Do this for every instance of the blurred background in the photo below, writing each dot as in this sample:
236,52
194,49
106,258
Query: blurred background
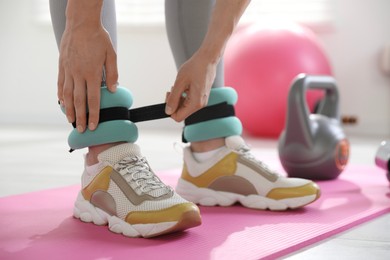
355,35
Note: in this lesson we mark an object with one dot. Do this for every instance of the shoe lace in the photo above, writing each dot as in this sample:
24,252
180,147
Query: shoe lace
245,151
136,170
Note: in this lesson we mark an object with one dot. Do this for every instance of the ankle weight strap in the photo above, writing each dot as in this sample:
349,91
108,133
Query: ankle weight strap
117,129
116,121
216,120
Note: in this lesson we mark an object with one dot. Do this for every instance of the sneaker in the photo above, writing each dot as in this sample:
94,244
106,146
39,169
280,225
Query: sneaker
234,175
126,195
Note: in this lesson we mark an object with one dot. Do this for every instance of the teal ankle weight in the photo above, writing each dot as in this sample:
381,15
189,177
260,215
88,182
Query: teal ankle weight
111,131
216,127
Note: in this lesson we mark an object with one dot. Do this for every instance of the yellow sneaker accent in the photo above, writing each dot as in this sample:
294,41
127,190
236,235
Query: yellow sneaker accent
225,167
100,182
294,192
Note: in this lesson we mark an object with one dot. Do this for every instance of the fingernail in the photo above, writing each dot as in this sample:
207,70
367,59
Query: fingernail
168,110
92,126
70,120
80,129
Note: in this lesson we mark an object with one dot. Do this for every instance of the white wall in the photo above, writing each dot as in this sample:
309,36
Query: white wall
360,32
28,65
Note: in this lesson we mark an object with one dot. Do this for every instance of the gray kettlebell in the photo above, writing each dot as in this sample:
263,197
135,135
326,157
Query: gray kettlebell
382,157
313,146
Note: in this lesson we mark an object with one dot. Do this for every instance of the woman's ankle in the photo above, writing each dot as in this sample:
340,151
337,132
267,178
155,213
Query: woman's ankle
209,145
91,157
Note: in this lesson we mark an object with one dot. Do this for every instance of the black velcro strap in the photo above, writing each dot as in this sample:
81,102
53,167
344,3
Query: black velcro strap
157,111
147,113
111,113
134,115
216,111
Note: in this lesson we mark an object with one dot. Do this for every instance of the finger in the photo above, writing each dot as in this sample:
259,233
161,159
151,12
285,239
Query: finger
68,99
184,110
111,70
80,99
189,105
174,98
166,100
93,95
60,85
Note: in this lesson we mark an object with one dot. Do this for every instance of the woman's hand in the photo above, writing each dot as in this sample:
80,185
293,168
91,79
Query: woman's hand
85,50
192,87
196,76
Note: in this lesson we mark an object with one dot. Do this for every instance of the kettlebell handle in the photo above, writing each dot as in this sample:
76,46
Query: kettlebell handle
298,125
329,106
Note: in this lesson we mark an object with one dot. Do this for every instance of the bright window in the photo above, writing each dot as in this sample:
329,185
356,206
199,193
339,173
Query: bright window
151,12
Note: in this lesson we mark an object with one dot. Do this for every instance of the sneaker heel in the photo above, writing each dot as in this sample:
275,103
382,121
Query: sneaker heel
86,212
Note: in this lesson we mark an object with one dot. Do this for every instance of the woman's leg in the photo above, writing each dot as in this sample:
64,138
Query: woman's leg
187,22
221,171
57,11
138,205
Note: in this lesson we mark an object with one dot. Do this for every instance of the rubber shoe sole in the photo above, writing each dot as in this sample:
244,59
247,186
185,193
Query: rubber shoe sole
209,197
88,213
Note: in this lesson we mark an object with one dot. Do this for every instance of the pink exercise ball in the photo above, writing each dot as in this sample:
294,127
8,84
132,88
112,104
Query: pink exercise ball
261,60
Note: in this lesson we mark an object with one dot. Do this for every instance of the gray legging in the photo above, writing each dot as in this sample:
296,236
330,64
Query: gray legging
186,23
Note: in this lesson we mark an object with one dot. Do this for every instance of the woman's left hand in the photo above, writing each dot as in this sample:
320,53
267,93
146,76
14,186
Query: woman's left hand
192,86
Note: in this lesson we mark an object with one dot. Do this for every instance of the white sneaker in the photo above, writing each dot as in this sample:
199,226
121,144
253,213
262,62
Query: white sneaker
130,198
234,175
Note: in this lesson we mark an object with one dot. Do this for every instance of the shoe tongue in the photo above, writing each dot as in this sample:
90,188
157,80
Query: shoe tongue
235,142
118,152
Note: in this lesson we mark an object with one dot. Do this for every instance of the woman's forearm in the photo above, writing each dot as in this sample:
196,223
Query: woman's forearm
83,13
224,20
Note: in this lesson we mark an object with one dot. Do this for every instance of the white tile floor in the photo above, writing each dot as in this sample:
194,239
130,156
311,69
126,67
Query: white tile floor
35,157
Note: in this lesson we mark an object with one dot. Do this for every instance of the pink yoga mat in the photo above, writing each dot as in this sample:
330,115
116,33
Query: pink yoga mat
40,225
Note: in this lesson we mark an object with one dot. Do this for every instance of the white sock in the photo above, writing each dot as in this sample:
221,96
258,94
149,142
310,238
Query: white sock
93,169
89,173
204,156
